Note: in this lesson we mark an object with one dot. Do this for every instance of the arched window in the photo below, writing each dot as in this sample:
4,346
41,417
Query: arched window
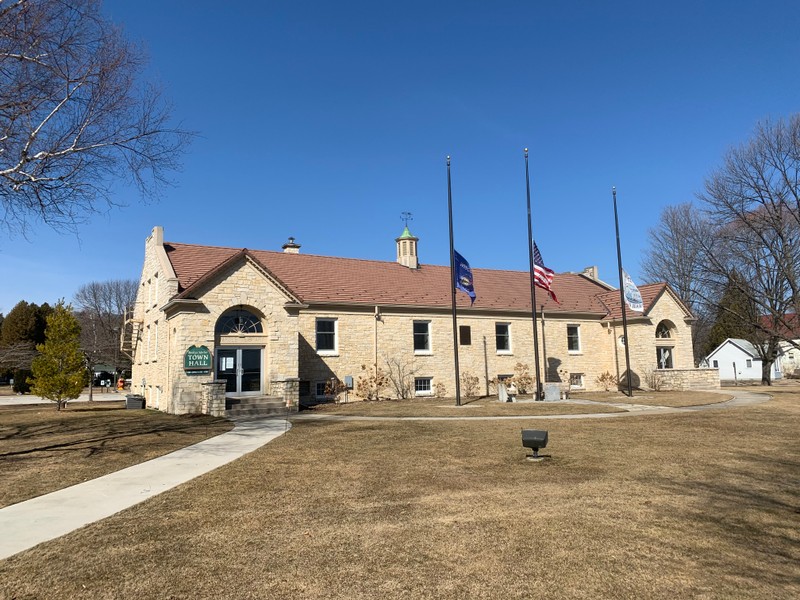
664,329
238,321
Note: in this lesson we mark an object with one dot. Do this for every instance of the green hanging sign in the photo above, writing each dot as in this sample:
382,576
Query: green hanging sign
197,360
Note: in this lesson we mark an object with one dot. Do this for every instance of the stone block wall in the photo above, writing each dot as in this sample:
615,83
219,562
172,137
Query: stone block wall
363,339
688,379
214,398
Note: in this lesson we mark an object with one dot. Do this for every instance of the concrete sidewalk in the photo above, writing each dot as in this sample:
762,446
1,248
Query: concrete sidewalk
26,524
24,399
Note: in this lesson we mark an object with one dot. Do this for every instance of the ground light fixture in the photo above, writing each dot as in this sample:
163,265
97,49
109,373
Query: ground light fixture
534,439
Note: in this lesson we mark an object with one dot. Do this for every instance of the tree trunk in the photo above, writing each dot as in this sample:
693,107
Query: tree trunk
766,368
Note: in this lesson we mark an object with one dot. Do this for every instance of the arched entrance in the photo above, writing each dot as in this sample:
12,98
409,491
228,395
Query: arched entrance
239,352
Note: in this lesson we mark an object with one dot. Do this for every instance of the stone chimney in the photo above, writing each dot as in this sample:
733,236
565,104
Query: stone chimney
592,272
290,247
407,249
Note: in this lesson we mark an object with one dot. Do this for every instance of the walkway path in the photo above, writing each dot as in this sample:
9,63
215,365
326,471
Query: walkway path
97,396
26,524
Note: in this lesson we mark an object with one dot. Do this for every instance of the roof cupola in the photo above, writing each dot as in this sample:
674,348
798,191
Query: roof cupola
407,249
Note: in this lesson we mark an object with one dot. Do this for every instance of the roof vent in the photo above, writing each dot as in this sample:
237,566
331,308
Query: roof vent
290,247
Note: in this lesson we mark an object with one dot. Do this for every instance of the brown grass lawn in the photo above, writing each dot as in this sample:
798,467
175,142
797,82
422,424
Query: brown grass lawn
445,407
699,505
43,450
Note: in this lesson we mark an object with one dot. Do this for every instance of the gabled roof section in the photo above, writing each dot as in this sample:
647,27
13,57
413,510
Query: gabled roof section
315,279
746,347
651,292
194,280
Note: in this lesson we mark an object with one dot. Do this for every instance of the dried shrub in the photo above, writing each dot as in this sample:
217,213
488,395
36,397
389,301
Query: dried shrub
607,380
469,385
370,383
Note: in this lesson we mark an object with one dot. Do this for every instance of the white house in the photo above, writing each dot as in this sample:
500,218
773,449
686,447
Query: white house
738,360
789,359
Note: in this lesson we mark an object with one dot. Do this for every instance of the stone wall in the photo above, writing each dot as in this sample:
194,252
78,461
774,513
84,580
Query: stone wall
214,398
687,379
150,366
364,340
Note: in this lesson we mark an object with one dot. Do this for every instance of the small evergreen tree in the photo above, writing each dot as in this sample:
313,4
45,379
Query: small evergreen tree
736,315
59,371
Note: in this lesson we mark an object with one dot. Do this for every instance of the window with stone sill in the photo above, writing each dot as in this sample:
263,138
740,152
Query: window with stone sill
422,386
502,336
574,339
326,330
422,337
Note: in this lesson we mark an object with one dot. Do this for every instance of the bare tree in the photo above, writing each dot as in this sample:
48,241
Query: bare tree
674,255
754,200
73,117
745,239
100,306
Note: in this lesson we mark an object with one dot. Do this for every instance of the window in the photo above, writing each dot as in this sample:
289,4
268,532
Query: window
422,386
715,364
664,329
465,335
749,363
155,335
319,389
237,322
576,381
502,336
422,336
574,338
155,285
326,335
664,358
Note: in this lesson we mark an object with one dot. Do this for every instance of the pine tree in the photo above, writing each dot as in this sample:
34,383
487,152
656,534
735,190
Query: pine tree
59,371
737,315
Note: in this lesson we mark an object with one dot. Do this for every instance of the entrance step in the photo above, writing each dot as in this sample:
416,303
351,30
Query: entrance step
255,406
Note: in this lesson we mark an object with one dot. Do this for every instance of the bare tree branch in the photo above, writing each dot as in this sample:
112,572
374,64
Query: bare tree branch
73,116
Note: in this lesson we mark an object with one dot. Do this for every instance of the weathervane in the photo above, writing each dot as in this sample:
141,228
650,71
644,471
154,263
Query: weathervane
406,216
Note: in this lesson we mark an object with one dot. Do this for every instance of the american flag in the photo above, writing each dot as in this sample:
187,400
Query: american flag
542,276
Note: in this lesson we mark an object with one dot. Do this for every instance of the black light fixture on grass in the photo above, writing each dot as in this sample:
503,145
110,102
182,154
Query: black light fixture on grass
534,439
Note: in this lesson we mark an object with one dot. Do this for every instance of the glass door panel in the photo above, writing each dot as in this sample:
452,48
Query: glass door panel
241,370
226,368
250,372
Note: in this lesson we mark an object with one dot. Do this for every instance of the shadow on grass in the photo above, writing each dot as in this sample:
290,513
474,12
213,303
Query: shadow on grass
82,434
748,507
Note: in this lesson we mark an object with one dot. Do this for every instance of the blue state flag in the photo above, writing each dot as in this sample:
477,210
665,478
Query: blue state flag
463,276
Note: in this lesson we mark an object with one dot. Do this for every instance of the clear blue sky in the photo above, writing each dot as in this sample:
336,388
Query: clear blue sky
326,120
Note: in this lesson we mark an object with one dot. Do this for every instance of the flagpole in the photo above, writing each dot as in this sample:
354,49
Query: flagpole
622,298
533,283
452,282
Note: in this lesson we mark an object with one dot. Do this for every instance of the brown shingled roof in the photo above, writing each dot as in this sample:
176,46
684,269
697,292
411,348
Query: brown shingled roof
650,293
326,279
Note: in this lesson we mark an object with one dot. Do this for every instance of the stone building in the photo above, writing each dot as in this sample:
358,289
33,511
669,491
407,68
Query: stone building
215,325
